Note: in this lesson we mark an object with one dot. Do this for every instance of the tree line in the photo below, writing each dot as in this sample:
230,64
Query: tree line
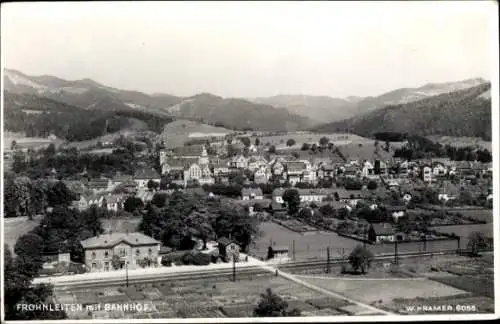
177,219
419,147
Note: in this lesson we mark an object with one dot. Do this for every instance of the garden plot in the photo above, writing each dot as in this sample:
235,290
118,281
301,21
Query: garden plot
371,291
306,246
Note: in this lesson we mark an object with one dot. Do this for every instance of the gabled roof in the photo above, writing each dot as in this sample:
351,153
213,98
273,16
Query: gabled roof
98,183
383,228
392,208
295,166
121,178
224,241
112,239
146,174
114,199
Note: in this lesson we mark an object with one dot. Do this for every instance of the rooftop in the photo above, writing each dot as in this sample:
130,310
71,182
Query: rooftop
146,174
383,228
112,239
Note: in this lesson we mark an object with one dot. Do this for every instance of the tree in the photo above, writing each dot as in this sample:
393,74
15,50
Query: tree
372,185
13,145
246,141
18,289
153,185
159,199
314,147
29,248
272,149
292,198
132,204
257,141
324,141
296,155
360,259
60,195
18,200
305,147
290,142
272,305
477,242
387,146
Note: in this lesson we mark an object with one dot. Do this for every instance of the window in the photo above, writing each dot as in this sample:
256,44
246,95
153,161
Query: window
93,255
106,254
150,251
122,252
137,252
94,265
106,266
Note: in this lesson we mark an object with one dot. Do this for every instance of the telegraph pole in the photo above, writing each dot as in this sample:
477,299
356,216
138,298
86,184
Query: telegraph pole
364,238
126,272
396,250
328,259
293,250
234,268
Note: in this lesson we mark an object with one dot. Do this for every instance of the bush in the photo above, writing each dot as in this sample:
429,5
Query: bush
166,261
187,258
201,259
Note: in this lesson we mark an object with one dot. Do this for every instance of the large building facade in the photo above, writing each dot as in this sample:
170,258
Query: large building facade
106,252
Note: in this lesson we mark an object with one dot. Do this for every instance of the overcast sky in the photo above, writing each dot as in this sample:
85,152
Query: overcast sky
253,49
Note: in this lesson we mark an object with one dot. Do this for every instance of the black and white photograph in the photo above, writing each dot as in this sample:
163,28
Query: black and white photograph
249,161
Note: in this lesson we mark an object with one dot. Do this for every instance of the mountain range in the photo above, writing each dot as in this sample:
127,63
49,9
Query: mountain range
465,112
232,113
413,109
324,108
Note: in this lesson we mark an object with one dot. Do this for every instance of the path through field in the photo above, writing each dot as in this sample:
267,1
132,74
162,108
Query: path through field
364,309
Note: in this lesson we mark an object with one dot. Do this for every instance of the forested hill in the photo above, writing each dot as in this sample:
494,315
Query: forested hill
38,116
459,113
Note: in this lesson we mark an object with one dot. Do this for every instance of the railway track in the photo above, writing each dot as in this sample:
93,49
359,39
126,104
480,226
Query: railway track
247,272
315,264
241,273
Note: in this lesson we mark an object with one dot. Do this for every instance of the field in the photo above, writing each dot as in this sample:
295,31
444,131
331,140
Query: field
27,142
480,214
352,146
136,125
371,291
300,138
464,231
176,133
306,246
205,298
313,245
17,226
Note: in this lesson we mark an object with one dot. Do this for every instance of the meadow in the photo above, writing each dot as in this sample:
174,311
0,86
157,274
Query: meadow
15,227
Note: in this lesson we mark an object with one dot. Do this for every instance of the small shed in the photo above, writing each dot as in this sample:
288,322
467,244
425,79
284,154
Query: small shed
383,232
280,251
228,249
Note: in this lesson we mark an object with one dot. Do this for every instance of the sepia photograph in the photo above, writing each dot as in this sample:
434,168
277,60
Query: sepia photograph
249,161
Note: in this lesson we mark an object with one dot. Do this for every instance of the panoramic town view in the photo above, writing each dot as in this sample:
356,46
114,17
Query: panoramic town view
201,179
